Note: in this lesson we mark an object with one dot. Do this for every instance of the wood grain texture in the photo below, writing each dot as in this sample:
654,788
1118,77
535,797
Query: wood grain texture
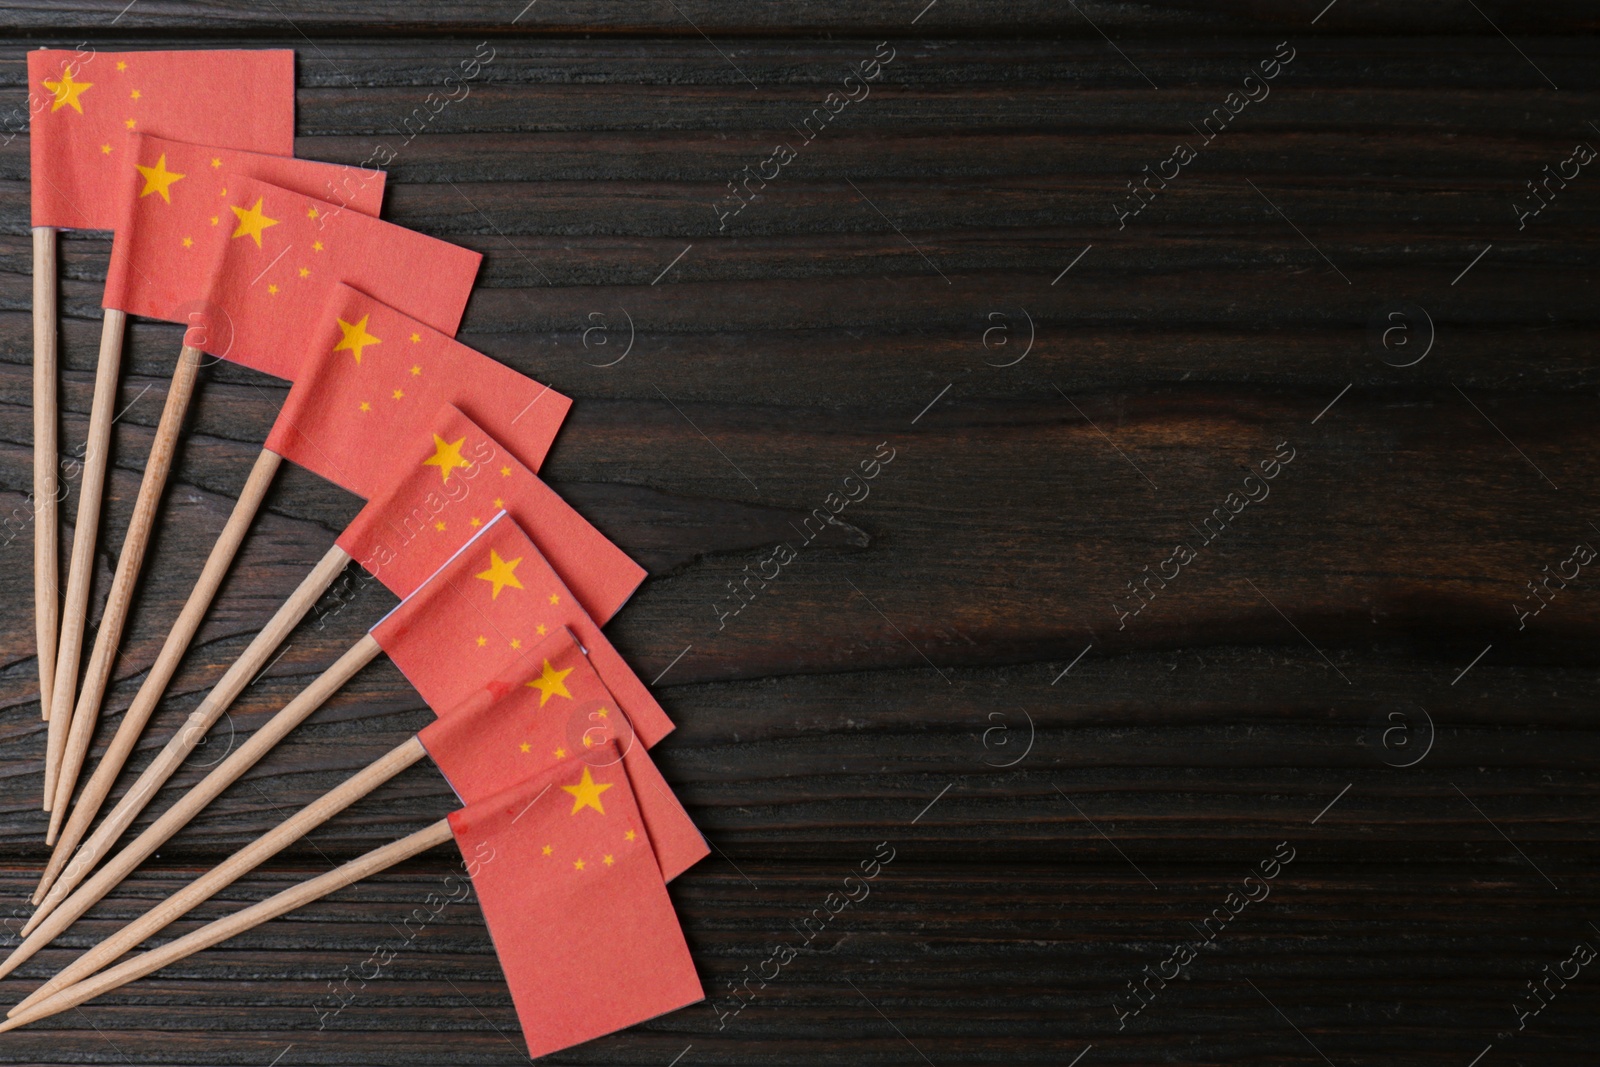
906,679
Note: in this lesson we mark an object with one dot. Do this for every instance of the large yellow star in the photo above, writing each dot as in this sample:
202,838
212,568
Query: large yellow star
500,574
552,683
252,221
157,179
586,794
67,91
356,338
446,456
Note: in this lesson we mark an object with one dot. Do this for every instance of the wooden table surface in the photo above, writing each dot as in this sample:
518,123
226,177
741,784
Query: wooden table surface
1344,285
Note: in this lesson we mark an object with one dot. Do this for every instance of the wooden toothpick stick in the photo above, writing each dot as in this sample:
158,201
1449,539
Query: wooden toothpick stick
237,923
46,470
74,614
129,563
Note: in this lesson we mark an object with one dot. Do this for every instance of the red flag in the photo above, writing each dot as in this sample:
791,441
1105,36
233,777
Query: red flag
174,222
84,104
473,620
272,273
576,905
552,708
373,376
449,480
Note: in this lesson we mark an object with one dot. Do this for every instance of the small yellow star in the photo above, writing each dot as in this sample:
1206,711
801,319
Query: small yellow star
215,219
550,683
447,457
439,526
482,640
305,272
223,192
476,522
216,162
188,242
602,713
505,472
578,864
316,246
355,337
526,747
516,642
135,94
273,289
561,753
67,92
311,213
540,630
554,599
588,742
157,179
547,850
586,794
399,394
499,503
501,573
252,221
106,149
416,370
128,123
608,861
121,65
415,338
365,406
629,835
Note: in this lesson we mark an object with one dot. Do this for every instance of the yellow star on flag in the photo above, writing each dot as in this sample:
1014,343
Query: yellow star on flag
629,835
67,92
500,574
188,242
252,221
540,630
136,94
526,747
366,405
121,65
586,794
552,683
578,864
157,179
547,850
105,148
128,123
447,457
554,599
356,338
608,861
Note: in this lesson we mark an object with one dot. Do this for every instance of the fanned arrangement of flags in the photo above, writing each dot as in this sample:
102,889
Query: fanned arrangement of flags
282,265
